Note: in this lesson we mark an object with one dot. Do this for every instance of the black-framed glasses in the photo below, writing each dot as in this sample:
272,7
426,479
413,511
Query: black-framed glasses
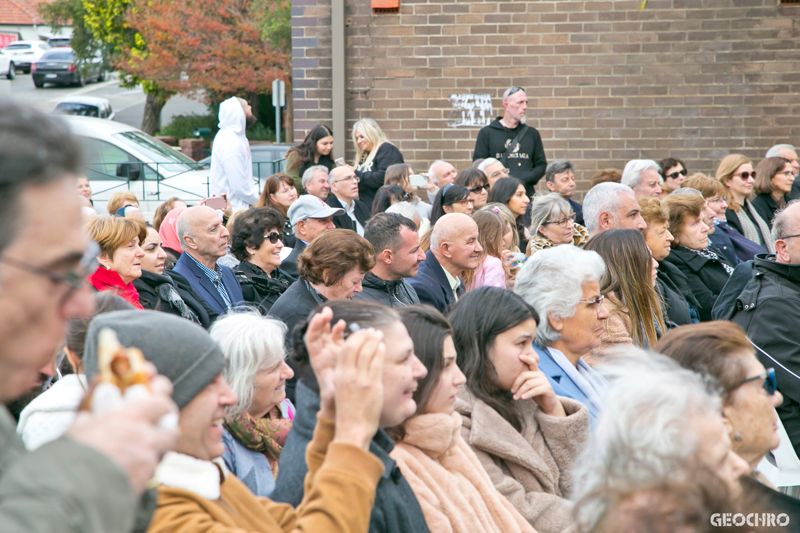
675,175
596,302
74,279
769,380
514,90
561,223
274,237
788,237
478,188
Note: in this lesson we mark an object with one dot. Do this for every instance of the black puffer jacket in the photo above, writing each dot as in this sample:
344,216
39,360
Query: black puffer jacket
392,293
705,277
259,289
160,292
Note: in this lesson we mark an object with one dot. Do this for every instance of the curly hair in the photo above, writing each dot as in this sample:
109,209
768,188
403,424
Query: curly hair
250,227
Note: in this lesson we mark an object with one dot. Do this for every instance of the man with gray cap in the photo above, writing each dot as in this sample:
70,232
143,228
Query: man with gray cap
310,217
195,489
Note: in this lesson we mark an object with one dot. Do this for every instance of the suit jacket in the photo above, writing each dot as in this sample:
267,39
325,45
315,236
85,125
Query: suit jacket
344,221
205,289
289,265
432,286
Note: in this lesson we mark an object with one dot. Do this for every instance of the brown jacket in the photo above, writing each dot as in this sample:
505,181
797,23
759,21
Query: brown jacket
533,469
339,492
453,489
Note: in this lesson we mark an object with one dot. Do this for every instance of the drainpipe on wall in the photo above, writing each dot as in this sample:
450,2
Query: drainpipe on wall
338,77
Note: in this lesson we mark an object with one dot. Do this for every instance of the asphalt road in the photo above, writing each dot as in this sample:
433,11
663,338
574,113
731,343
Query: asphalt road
128,104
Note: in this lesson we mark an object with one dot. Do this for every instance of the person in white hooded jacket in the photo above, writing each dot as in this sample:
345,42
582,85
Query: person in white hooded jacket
231,161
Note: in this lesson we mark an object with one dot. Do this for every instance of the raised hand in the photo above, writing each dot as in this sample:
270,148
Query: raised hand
324,344
532,383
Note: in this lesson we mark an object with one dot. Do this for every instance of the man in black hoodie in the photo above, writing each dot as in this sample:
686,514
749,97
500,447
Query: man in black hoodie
397,256
523,157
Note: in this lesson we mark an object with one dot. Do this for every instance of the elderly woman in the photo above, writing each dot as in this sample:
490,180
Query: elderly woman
411,213
670,283
660,427
256,241
704,270
735,173
477,184
454,490
553,223
774,178
629,286
374,154
120,255
563,285
524,432
257,426
399,174
279,193
167,291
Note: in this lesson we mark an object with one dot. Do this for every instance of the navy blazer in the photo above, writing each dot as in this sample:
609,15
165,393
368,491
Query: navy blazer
205,289
432,286
343,221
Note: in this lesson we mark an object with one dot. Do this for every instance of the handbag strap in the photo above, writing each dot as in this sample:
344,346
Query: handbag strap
513,144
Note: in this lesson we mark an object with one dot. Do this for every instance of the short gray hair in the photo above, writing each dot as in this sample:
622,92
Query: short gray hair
183,228
308,175
603,198
407,210
775,151
546,207
559,166
489,161
632,174
646,434
687,190
552,282
250,343
782,224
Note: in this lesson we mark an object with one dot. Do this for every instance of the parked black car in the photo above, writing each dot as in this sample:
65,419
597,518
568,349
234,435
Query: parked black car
61,66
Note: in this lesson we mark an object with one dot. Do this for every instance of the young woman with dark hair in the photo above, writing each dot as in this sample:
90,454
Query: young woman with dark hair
451,198
454,490
525,436
387,196
314,150
474,180
511,193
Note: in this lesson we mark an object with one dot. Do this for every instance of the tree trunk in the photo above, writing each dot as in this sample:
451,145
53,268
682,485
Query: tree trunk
151,121
288,125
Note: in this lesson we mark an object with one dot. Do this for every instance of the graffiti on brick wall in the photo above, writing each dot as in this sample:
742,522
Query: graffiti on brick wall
471,110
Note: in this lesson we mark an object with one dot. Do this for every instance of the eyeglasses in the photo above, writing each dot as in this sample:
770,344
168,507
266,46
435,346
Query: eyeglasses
788,237
465,203
274,237
596,303
746,175
478,188
769,380
74,279
505,171
675,175
561,223
787,173
349,178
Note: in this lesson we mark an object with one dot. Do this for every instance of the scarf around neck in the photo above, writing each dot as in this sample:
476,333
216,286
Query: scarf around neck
265,435
760,235
110,280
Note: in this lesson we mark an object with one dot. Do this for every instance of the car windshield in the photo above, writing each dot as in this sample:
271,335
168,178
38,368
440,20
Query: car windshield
155,151
58,56
75,108
18,47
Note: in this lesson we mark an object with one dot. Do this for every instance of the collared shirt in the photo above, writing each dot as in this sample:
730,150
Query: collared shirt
215,278
350,209
455,283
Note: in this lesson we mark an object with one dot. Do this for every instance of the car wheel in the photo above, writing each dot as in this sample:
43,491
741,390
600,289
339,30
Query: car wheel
12,71
38,84
26,70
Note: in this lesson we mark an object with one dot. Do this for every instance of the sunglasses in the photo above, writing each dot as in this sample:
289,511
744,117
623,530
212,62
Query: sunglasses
675,175
769,380
478,188
746,175
274,237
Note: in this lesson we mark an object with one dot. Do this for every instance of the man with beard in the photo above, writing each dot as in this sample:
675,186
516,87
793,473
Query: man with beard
231,161
397,256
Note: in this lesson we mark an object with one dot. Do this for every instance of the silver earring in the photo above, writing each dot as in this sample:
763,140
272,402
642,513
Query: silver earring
737,437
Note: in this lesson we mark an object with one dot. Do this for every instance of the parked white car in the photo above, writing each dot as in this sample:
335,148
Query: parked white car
85,106
118,157
7,67
23,53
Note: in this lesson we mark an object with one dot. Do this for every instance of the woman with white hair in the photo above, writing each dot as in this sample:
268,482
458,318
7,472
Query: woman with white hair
255,429
563,285
553,223
374,154
660,427
411,212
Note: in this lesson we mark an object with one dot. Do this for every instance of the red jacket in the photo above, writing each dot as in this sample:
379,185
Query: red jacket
109,280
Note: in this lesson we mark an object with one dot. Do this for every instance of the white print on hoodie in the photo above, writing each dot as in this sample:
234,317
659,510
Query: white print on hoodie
231,161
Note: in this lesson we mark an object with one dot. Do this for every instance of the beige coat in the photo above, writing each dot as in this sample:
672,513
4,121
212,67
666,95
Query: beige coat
532,468
453,489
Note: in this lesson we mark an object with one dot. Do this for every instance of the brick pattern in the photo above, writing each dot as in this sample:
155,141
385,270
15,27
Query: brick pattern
693,79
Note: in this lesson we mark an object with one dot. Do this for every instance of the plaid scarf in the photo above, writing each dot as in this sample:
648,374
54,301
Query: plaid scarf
266,435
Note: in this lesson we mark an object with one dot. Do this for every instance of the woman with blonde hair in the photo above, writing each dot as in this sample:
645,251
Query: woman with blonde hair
119,200
553,223
736,174
510,235
634,306
374,154
493,269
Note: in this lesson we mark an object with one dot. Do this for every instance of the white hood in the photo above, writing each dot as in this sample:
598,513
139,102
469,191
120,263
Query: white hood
231,116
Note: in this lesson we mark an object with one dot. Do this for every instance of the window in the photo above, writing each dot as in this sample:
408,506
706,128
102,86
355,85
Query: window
74,108
18,47
102,158
58,56
155,151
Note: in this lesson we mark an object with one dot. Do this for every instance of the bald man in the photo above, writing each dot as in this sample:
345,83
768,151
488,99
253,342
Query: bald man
204,240
454,249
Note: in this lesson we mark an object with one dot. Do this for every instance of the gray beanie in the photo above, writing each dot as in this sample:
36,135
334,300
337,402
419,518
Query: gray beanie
181,350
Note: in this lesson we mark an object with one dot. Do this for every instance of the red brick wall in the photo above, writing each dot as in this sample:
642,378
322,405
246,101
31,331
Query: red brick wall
693,79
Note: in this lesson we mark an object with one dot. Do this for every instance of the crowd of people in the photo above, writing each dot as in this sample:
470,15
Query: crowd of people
368,348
